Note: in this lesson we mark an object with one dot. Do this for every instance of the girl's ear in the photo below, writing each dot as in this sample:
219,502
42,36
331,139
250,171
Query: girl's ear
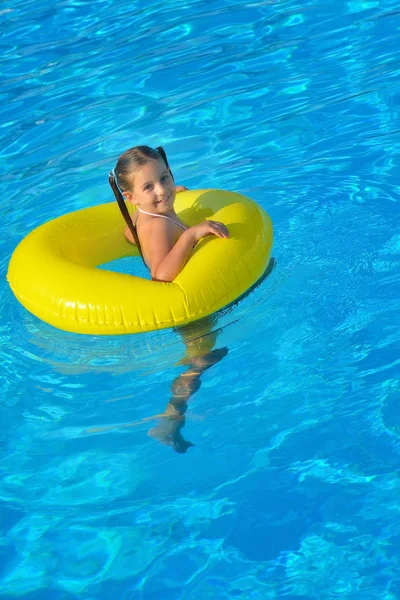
129,197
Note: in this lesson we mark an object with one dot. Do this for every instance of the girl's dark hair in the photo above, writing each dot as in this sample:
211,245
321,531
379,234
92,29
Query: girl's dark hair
120,178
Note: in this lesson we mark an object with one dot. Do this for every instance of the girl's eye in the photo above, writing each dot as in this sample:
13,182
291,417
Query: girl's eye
147,187
164,177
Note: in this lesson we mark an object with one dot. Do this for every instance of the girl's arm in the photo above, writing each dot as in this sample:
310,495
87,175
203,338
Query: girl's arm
167,258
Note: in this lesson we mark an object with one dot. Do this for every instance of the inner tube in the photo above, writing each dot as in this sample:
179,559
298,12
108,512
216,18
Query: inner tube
53,273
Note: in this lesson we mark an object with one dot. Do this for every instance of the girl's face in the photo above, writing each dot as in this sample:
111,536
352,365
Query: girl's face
153,188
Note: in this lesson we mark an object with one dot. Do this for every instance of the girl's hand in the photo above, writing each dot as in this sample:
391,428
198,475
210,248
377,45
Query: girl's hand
209,228
181,188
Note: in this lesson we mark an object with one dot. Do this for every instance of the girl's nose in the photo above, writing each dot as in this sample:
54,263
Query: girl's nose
160,189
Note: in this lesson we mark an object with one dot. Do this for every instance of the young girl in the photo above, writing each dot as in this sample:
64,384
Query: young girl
143,177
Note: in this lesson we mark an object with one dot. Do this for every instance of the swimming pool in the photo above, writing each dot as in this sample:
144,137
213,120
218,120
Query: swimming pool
292,487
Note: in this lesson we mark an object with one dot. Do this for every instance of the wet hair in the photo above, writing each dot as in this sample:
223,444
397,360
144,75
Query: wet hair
120,178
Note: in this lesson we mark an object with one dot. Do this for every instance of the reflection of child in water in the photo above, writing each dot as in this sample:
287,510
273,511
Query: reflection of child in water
199,340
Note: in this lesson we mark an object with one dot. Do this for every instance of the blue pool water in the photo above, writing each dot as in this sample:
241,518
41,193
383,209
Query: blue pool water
292,489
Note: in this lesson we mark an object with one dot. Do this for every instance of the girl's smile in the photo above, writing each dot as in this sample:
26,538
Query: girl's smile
163,200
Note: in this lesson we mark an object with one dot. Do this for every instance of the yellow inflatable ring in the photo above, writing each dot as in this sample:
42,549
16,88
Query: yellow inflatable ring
53,271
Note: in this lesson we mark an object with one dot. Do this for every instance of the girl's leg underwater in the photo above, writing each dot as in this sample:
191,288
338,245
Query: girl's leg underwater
199,340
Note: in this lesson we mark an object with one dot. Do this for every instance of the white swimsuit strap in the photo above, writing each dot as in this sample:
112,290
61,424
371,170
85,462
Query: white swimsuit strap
162,217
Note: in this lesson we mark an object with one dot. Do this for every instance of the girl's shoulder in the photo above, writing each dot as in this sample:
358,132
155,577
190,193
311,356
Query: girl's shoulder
156,228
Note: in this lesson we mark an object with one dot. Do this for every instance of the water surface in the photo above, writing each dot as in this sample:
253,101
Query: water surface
292,487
